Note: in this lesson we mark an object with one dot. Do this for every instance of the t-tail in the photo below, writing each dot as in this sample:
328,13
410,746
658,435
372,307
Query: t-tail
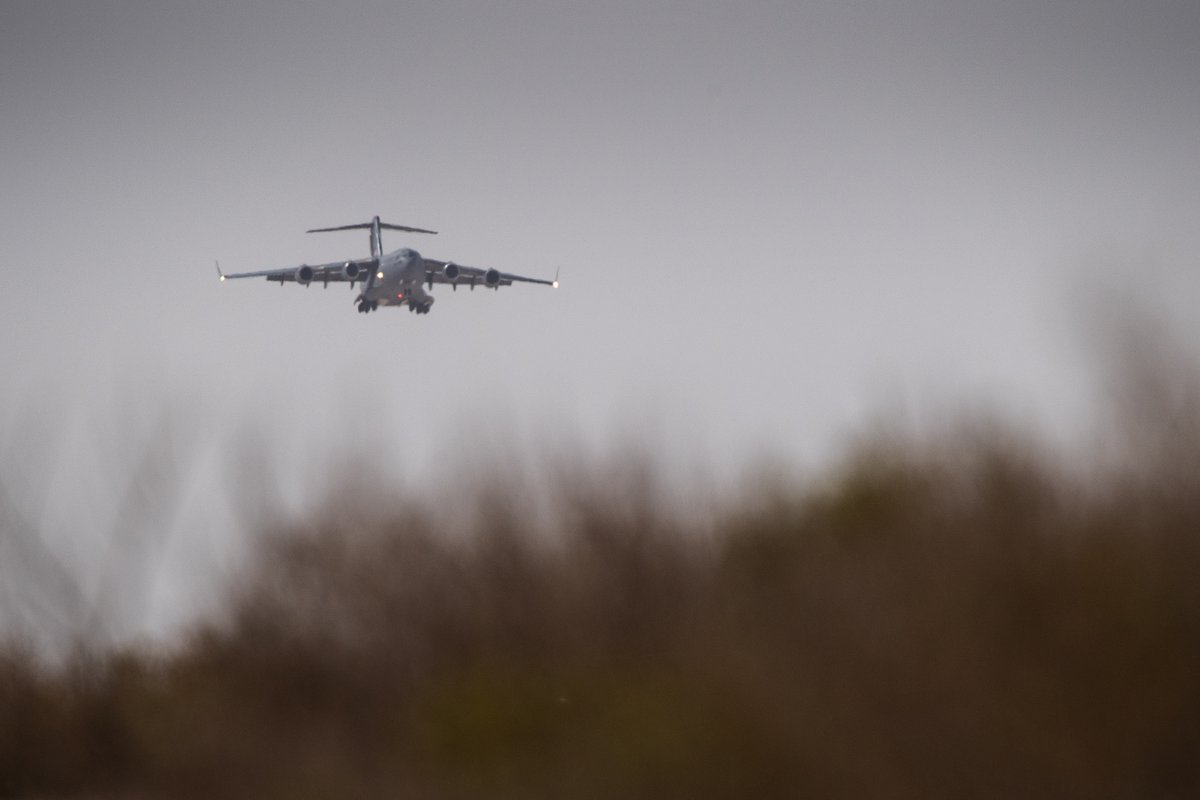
374,226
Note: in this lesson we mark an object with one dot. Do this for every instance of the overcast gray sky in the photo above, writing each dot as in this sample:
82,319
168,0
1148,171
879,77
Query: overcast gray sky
773,219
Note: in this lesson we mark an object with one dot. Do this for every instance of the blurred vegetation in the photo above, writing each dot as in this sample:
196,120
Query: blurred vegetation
962,616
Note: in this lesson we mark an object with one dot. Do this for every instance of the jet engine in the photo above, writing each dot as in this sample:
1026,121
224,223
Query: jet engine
451,271
350,270
304,274
492,277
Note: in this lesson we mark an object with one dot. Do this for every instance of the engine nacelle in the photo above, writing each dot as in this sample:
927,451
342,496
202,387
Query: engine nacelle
351,271
451,271
304,274
492,277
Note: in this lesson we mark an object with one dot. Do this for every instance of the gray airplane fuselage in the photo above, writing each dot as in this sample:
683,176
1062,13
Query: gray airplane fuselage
403,272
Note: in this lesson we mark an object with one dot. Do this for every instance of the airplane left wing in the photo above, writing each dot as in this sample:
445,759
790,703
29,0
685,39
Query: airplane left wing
338,271
447,272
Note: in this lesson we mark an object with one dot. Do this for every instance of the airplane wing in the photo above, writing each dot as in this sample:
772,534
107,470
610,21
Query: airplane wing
448,272
353,270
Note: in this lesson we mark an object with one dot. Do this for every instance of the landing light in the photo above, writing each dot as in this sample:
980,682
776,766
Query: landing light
379,275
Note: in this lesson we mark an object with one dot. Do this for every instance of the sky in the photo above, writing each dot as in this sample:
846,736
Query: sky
774,221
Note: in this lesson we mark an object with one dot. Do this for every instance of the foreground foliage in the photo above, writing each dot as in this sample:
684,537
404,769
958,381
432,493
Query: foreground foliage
952,621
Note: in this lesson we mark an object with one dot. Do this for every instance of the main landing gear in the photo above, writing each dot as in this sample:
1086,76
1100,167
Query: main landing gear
367,306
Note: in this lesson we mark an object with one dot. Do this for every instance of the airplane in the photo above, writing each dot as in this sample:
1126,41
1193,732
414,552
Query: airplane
392,279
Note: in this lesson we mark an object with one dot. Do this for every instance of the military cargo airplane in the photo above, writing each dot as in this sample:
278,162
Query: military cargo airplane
392,279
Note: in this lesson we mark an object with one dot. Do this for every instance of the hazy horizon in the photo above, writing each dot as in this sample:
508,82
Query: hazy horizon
775,223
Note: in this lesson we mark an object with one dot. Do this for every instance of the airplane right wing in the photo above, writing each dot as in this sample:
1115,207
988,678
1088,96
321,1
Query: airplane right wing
338,271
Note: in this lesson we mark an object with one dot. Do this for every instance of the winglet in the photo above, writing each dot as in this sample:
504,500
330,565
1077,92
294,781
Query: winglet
553,285
220,275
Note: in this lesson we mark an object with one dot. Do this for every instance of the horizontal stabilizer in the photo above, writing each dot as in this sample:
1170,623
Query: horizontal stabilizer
368,225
